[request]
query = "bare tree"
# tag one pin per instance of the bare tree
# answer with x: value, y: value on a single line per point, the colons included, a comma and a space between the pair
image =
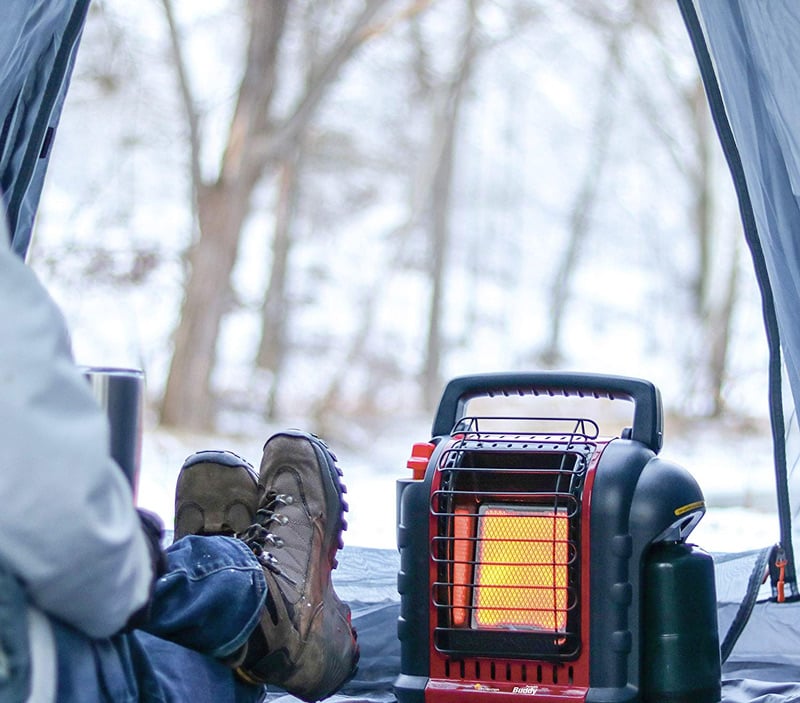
x: 272, y: 347
x: 719, y: 327
x: 277, y: 310
x: 713, y: 282
x: 713, y: 296
x: 579, y: 218
x: 258, y: 139
x: 444, y: 129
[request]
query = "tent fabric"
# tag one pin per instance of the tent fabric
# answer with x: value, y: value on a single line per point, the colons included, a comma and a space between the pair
x: 772, y: 634
x: 38, y: 41
x: 367, y: 580
x: 732, y: 632
x: 753, y: 45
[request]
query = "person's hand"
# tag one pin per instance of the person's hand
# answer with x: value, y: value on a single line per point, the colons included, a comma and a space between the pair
x: 153, y: 530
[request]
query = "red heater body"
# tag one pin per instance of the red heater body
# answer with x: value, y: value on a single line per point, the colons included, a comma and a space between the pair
x: 542, y: 562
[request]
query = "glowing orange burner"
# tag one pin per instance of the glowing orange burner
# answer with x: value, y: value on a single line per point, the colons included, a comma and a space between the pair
x: 521, y: 568
x: 463, y: 546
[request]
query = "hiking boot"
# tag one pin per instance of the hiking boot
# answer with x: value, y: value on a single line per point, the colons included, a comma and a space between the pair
x: 305, y: 642
x: 216, y: 494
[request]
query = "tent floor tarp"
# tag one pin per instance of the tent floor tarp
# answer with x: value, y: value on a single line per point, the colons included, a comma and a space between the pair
x: 763, y: 668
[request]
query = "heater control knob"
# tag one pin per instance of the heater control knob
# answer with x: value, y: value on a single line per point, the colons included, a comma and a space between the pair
x: 420, y: 456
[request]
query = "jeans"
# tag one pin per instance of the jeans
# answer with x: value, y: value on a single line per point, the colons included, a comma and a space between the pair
x: 15, y: 663
x: 203, y: 609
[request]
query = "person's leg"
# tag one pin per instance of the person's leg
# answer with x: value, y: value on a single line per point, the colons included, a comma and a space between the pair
x: 211, y: 597
x: 168, y: 672
x: 15, y: 640
x: 232, y: 599
x: 304, y: 641
x: 140, y: 668
x: 203, y: 610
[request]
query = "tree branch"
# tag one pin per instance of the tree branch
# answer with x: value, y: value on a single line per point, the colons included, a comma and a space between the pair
x: 280, y: 141
x: 187, y: 100
x: 250, y: 118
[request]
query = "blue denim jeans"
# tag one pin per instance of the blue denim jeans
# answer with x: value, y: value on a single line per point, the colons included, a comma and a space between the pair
x: 203, y: 609
x: 15, y: 662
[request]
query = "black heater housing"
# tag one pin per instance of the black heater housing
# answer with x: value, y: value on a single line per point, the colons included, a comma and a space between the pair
x: 630, y: 572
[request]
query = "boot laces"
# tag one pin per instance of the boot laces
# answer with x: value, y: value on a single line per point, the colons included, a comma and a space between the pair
x: 258, y: 536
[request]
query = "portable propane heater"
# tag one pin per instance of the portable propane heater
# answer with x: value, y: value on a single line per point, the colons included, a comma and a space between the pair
x: 542, y: 562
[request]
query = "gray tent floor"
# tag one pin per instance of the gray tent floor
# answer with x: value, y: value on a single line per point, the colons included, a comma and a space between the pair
x: 764, y: 666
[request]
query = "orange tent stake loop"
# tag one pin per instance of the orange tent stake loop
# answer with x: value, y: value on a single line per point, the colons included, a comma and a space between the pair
x: 780, y: 563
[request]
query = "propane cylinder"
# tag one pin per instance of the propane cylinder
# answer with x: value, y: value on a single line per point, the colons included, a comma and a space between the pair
x: 680, y: 637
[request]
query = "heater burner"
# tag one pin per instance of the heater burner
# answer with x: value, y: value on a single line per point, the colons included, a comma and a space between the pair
x: 506, y: 540
x: 521, y: 568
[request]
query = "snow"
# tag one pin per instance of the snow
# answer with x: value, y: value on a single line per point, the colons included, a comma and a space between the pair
x: 732, y: 467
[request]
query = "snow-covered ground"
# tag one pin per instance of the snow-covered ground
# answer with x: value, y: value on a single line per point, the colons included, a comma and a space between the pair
x: 733, y: 468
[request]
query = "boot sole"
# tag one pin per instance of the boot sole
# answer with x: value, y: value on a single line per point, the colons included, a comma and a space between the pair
x: 203, y: 468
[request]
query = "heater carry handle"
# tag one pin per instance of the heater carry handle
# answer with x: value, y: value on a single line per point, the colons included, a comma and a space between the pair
x: 648, y: 422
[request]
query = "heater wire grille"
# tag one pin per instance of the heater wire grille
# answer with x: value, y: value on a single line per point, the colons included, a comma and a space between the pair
x: 506, y: 544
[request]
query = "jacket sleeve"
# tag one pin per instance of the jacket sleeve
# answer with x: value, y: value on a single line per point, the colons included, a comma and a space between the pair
x: 68, y: 526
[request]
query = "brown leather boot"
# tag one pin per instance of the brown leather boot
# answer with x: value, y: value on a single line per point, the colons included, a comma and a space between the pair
x: 216, y: 494
x: 305, y: 642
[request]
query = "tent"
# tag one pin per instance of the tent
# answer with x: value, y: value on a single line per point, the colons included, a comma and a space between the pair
x: 38, y: 44
x: 746, y: 53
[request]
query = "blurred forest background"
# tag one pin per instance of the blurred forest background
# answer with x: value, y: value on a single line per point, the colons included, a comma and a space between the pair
x: 321, y: 210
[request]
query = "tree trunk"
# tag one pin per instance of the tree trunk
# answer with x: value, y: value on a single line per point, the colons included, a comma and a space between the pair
x: 255, y: 140
x: 720, y: 331
x: 188, y: 401
x: 713, y: 309
x: 444, y: 131
x: 275, y: 311
x: 702, y: 187
x: 581, y: 210
x: 440, y: 236
x: 712, y: 312
x: 222, y: 209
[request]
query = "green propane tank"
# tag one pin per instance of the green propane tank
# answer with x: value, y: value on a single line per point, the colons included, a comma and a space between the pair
x: 680, y: 637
